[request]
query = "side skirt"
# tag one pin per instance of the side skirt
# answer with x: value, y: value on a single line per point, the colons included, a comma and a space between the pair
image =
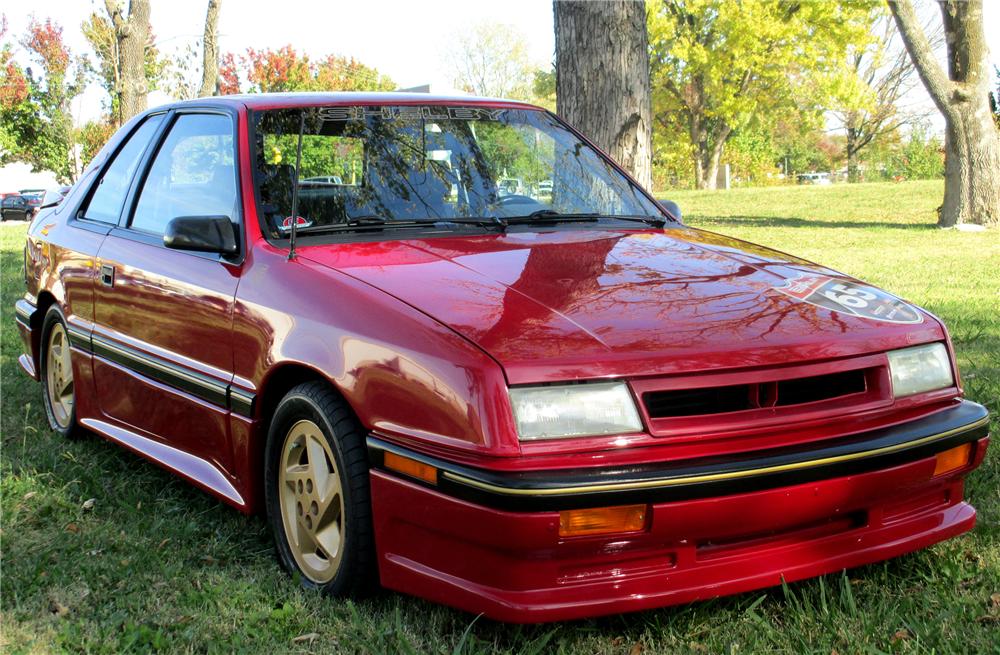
x: 201, y: 473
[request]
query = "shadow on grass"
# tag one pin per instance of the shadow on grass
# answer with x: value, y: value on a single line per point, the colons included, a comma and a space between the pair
x: 791, y: 221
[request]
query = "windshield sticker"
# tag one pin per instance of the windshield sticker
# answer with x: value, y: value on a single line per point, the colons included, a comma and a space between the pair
x: 850, y: 298
x: 410, y: 112
x: 286, y: 224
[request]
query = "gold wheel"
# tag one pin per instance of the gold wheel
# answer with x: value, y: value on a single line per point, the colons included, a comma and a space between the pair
x: 59, y: 376
x: 311, y: 502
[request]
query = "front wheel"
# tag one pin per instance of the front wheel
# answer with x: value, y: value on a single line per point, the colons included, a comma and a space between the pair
x: 317, y: 493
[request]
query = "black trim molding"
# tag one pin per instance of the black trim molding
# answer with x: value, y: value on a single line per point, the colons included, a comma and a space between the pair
x: 201, y: 386
x: 707, y: 477
x: 79, y: 338
x: 241, y: 402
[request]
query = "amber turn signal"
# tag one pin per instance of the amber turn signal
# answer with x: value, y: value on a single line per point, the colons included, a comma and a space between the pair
x: 952, y: 459
x: 602, y: 520
x: 410, y: 467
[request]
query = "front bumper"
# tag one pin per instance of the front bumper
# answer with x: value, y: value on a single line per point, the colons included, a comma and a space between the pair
x: 480, y: 548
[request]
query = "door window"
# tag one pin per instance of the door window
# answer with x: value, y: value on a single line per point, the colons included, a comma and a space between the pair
x: 106, y: 203
x: 194, y: 174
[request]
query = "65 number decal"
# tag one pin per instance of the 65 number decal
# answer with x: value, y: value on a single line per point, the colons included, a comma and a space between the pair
x: 850, y: 298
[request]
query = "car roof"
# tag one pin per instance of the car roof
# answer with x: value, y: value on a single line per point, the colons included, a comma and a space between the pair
x: 283, y: 100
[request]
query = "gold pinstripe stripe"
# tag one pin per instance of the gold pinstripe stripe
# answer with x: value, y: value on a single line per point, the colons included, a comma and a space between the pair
x: 711, y: 477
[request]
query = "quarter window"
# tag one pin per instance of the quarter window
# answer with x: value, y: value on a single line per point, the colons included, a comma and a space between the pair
x: 106, y: 203
x: 193, y: 174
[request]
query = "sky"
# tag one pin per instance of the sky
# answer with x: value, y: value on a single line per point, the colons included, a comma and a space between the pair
x: 406, y: 40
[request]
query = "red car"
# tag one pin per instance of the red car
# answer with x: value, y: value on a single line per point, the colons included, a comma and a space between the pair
x: 537, y: 409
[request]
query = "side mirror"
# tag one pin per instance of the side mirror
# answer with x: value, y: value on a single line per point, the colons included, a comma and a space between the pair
x: 672, y: 208
x: 202, y: 234
x: 50, y: 199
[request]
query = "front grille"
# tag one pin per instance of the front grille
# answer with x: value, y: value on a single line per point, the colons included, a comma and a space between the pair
x: 675, y: 403
x: 819, y: 387
x: 694, y: 402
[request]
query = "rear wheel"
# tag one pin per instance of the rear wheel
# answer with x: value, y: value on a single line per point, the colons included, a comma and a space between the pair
x: 317, y: 495
x: 57, y: 374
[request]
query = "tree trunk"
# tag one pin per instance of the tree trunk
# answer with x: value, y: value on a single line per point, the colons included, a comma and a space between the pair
x: 971, y: 172
x: 132, y: 35
x: 602, y: 78
x: 707, y: 153
x: 210, y: 50
x: 853, y: 173
x: 972, y: 165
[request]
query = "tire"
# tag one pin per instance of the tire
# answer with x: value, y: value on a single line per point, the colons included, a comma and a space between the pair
x: 55, y: 369
x: 315, y: 451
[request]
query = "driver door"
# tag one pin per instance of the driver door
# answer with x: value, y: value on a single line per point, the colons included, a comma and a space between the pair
x: 163, y: 317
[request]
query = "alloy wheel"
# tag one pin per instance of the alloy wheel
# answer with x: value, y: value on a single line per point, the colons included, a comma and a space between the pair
x: 311, y: 501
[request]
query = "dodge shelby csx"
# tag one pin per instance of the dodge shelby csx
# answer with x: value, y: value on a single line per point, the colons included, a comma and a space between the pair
x: 449, y: 347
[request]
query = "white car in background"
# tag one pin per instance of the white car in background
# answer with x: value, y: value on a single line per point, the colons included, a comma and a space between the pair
x: 814, y: 178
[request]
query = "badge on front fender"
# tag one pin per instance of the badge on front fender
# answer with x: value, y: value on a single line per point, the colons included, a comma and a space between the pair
x: 849, y: 297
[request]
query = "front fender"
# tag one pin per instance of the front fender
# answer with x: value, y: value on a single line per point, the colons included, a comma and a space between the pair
x: 405, y: 375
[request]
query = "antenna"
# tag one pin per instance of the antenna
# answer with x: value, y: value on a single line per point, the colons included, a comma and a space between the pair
x: 295, y: 185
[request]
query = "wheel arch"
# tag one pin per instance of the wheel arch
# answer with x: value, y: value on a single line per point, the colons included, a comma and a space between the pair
x: 43, y: 302
x: 276, y: 383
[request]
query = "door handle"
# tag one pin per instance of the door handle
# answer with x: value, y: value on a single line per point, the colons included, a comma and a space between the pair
x: 107, y: 275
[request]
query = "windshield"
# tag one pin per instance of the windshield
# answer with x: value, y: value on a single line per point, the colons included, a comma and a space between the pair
x: 430, y: 165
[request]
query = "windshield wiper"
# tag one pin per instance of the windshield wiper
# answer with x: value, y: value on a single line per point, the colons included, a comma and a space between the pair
x: 552, y: 216
x: 655, y: 221
x: 376, y: 222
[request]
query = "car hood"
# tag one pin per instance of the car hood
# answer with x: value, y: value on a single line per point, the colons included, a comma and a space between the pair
x: 575, y: 304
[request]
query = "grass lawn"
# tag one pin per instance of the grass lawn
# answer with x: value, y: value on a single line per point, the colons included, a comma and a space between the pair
x: 155, y: 564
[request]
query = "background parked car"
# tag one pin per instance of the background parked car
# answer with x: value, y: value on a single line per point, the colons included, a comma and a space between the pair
x: 814, y: 178
x: 324, y: 179
x: 15, y: 207
x: 511, y: 186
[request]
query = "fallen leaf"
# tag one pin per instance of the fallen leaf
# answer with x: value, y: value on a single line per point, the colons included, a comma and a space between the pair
x: 636, y: 649
x: 307, y: 638
x: 834, y: 652
x: 995, y: 600
x: 617, y: 641
x: 89, y: 504
x: 58, y: 609
x: 73, y: 527
x: 29, y: 495
x: 902, y: 635
x: 989, y: 618
x: 163, y: 543
x: 700, y: 648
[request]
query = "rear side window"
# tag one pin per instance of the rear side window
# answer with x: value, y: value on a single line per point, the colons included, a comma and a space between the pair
x: 193, y: 174
x: 106, y: 202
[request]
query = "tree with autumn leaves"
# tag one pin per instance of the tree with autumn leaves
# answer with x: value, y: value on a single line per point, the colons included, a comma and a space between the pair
x: 285, y: 69
x: 36, y: 124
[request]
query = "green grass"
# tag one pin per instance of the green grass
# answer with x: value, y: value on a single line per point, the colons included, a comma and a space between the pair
x: 157, y: 564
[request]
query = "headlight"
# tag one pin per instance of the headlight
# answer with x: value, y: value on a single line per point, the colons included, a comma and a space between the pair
x: 574, y: 410
x: 919, y: 369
